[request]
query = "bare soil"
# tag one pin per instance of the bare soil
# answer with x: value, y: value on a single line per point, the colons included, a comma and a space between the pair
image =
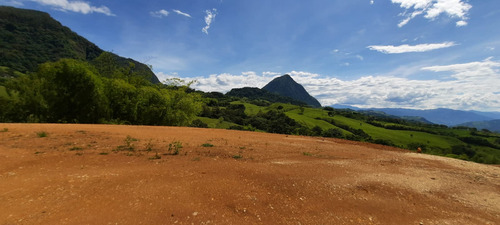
x: 94, y: 174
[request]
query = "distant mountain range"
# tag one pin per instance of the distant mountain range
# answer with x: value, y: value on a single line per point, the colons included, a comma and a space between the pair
x: 449, y: 117
x: 286, y: 86
x: 29, y: 38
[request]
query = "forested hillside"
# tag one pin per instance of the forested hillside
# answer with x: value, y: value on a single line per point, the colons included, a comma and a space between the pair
x: 242, y: 114
x: 29, y: 38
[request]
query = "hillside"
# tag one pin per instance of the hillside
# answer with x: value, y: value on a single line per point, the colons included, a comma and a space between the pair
x: 286, y: 86
x: 460, y: 142
x: 29, y: 38
x: 492, y: 125
x: 109, y: 174
x: 447, y: 117
x: 258, y: 94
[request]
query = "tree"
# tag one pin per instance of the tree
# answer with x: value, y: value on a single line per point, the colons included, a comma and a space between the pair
x: 73, y: 92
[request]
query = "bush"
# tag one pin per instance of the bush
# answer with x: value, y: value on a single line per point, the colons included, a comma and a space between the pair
x: 332, y: 132
x: 198, y: 123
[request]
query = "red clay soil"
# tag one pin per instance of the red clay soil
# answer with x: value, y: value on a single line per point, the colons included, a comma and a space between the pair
x: 94, y: 174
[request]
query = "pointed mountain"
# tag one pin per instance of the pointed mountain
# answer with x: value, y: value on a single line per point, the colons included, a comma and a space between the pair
x: 29, y: 38
x: 286, y: 86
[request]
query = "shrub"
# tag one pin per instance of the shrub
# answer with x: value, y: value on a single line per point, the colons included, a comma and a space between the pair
x: 42, y: 134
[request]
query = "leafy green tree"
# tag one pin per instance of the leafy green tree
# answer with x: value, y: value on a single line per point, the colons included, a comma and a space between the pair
x: 73, y: 92
x: 332, y: 132
x: 122, y: 98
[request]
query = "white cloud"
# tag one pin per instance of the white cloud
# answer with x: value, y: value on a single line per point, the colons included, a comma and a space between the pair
x: 473, y: 86
x: 372, y: 2
x: 75, y: 6
x: 391, y: 49
x: 461, y: 23
x: 209, y: 18
x: 160, y: 13
x: 181, y: 13
x: 434, y: 8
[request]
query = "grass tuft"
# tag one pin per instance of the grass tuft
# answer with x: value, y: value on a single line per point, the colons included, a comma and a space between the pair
x: 42, y: 134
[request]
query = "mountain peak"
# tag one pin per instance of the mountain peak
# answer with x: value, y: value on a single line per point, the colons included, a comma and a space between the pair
x: 286, y: 86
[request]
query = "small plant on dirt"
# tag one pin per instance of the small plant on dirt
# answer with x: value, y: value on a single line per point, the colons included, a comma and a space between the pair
x: 174, y: 147
x: 207, y: 145
x: 149, y: 146
x: 237, y: 156
x: 42, y: 134
x: 129, y: 146
x: 156, y: 156
x: 36, y: 153
x: 103, y: 153
x: 5, y: 130
x: 307, y: 153
x: 76, y: 148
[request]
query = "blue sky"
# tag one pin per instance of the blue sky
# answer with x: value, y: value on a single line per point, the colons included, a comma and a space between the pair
x: 417, y: 54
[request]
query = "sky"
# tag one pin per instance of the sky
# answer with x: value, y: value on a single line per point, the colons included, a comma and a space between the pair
x: 418, y: 54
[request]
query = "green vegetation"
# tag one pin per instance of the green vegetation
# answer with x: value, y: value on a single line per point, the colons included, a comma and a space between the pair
x: 29, y: 38
x: 207, y: 145
x: 72, y: 91
x: 76, y: 148
x: 4, y: 130
x: 174, y: 148
x: 237, y: 156
x: 42, y: 134
x: 462, y: 143
x: 129, y: 144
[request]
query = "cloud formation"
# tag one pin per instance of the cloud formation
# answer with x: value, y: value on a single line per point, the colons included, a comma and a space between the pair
x: 159, y: 14
x: 433, y: 8
x: 209, y: 18
x: 468, y: 86
x: 181, y: 13
x: 75, y: 6
x: 391, y: 49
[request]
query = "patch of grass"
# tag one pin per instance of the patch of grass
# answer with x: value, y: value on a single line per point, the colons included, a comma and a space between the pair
x: 307, y: 154
x: 76, y: 148
x: 103, y: 153
x: 242, y: 147
x: 207, y: 145
x: 237, y: 156
x: 174, y: 147
x: 4, y: 130
x: 42, y: 134
x: 36, y: 153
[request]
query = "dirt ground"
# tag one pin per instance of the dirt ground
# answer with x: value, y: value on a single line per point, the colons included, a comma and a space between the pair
x: 110, y: 174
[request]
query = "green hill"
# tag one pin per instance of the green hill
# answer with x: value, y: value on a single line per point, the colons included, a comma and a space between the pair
x: 463, y: 143
x: 492, y: 125
x: 29, y: 38
x: 286, y: 86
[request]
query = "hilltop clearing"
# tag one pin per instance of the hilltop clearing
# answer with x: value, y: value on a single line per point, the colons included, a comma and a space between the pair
x: 110, y: 174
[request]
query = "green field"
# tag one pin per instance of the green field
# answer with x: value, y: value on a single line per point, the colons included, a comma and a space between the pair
x: 434, y: 139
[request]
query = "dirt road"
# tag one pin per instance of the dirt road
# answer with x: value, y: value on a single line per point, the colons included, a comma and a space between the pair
x: 108, y: 174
